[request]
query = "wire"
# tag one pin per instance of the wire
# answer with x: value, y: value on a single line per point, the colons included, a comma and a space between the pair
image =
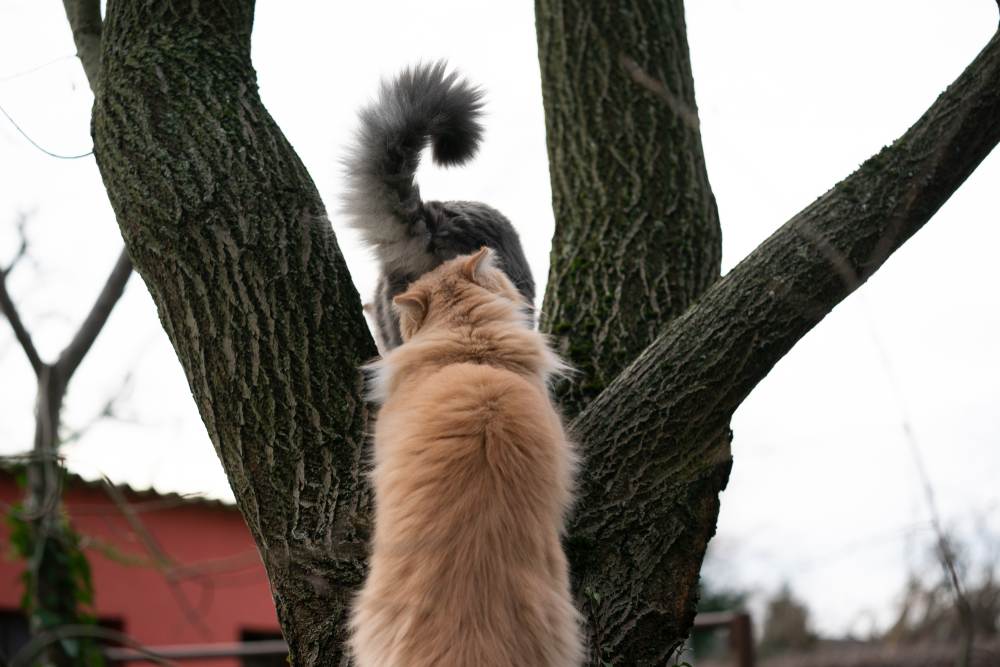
x: 33, y: 143
x: 32, y: 70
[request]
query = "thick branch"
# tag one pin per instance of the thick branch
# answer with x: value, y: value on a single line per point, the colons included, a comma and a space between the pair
x: 227, y: 230
x: 85, y: 21
x: 637, y: 232
x: 657, y: 439
x: 96, y: 318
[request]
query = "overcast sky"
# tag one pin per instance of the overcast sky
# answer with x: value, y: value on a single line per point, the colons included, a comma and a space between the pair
x: 793, y: 96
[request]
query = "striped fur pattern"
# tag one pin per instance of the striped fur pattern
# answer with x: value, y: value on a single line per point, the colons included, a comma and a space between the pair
x: 422, y: 105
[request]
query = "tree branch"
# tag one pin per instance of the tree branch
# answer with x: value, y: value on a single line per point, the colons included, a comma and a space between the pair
x: 657, y: 439
x: 85, y: 20
x: 160, y: 558
x: 20, y: 333
x: 71, y: 357
x: 10, y: 311
x: 637, y: 234
x: 223, y: 221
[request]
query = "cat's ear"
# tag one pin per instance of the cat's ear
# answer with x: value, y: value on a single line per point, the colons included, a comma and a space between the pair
x: 412, y: 308
x: 476, y: 263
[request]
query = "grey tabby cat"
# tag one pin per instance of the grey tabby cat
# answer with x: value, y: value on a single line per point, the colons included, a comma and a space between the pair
x: 422, y: 105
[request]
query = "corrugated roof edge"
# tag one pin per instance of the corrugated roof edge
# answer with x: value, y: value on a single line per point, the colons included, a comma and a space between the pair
x: 11, y: 470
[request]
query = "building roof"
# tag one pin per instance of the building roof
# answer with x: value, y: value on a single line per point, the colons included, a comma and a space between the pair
x: 149, y: 498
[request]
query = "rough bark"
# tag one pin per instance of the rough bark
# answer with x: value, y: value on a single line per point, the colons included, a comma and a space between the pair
x: 637, y: 231
x: 657, y: 439
x: 227, y: 230
x: 229, y: 234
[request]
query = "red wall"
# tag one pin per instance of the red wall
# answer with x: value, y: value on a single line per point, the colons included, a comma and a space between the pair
x: 219, y: 572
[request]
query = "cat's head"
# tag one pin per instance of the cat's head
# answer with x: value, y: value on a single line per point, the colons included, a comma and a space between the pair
x: 466, y: 287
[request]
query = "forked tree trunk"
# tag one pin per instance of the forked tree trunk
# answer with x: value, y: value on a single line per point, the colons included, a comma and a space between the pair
x: 228, y: 232
x: 657, y: 439
x: 637, y: 241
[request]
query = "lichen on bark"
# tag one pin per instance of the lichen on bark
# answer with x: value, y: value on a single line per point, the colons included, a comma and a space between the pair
x: 637, y: 231
x: 228, y: 232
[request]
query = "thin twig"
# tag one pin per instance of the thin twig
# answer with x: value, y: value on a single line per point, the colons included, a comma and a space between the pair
x: 163, y: 561
x: 20, y: 332
x: 946, y: 556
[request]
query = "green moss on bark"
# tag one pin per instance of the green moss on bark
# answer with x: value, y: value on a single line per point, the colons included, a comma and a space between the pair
x: 227, y: 230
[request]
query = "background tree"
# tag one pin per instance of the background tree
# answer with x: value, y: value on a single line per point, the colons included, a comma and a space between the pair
x: 786, y: 624
x: 229, y: 234
x: 57, y: 575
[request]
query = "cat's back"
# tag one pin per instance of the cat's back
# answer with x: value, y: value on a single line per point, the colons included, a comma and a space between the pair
x: 475, y: 434
x: 472, y: 479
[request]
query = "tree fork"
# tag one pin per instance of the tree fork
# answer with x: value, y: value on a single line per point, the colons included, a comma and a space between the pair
x: 656, y: 441
x: 229, y: 234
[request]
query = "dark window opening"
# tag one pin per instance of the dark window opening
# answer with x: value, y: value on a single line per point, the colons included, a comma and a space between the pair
x: 269, y: 659
x: 15, y: 633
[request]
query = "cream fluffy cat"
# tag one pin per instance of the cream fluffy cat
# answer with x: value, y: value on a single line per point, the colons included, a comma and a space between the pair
x: 473, y: 478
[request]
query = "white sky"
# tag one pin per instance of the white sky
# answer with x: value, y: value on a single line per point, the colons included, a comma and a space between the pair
x: 793, y: 96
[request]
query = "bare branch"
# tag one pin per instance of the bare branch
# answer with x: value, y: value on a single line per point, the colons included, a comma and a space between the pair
x: 85, y: 20
x: 160, y: 557
x: 946, y: 553
x: 22, y: 248
x: 71, y: 357
x: 657, y: 438
x: 10, y: 312
x: 785, y: 287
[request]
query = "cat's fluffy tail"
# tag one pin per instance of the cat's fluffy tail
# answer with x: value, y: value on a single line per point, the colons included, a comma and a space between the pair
x: 422, y: 105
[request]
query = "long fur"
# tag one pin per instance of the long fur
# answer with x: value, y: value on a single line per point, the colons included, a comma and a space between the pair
x: 473, y: 478
x: 423, y: 105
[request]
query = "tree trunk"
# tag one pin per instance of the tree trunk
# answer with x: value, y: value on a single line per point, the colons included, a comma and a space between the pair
x: 637, y: 241
x: 637, y: 231
x: 227, y: 230
x: 657, y: 439
x: 51, y: 586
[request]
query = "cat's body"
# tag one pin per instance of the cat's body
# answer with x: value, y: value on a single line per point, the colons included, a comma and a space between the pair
x: 408, y: 235
x: 473, y: 479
